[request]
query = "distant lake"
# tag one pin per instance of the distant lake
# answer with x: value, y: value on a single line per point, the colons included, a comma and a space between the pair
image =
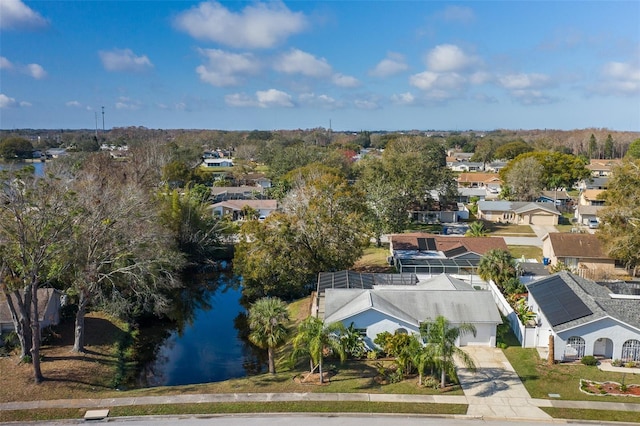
x: 16, y: 165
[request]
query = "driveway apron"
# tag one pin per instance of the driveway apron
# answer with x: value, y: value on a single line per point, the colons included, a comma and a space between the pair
x: 495, y: 390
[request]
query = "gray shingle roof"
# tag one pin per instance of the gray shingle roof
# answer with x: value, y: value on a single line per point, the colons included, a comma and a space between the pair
x: 597, y: 299
x: 413, y: 304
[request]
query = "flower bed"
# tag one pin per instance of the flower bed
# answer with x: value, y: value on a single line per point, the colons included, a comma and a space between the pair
x: 608, y: 388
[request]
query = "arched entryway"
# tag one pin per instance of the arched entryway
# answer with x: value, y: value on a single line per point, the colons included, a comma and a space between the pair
x: 603, y: 347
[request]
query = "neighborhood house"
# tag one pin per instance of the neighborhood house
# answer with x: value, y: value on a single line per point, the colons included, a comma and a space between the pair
x: 580, y: 317
x: 519, y: 213
x: 399, y: 303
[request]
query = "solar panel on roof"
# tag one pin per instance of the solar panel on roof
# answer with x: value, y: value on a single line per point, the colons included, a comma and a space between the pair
x: 456, y: 251
x: 559, y: 302
x: 431, y: 244
x: 422, y: 244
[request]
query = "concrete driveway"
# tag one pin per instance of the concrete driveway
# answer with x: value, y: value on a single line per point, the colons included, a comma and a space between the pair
x: 495, y: 390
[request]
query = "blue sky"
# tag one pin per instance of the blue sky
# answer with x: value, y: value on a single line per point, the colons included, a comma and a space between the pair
x: 359, y: 65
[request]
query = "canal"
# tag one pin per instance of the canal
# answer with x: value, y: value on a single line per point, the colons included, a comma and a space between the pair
x: 208, y: 343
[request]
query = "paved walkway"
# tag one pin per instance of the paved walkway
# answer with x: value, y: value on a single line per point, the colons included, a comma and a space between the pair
x: 495, y: 390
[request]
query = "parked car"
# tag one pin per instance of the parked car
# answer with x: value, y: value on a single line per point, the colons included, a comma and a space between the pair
x: 593, y: 224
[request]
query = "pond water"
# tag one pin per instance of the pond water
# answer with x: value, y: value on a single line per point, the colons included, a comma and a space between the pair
x: 38, y: 166
x: 211, y: 346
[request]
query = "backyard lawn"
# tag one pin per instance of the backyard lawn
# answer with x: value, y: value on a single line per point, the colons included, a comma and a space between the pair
x: 509, y: 230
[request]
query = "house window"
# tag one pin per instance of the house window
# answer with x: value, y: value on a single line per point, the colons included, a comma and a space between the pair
x: 631, y: 350
x: 571, y: 262
x: 575, y: 347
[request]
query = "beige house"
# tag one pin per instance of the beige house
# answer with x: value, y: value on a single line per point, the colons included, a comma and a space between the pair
x: 479, y: 180
x: 583, y: 253
x: 591, y: 197
x: 519, y: 213
x: 602, y: 168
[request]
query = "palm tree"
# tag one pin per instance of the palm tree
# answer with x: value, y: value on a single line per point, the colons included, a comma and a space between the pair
x: 441, y: 339
x: 315, y: 339
x: 268, y: 318
x: 497, y: 265
x: 476, y: 229
x: 421, y: 357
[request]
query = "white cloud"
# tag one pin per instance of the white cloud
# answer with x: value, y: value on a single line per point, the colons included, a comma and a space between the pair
x: 298, y: 62
x: 368, y: 104
x: 5, y: 63
x: 74, y: 104
x: 128, y: 104
x: 523, y: 81
x: 273, y: 97
x: 262, y: 99
x: 181, y: 106
x: 259, y: 25
x: 342, y: 80
x: 15, y: 15
x: 531, y: 97
x: 620, y: 78
x: 394, y: 63
x: 6, y: 101
x: 225, y: 68
x: 240, y: 100
x: 457, y: 14
x: 25, y: 104
x: 480, y: 77
x: 449, y: 57
x: 406, y: 98
x: 323, y: 101
x: 33, y: 70
x: 36, y: 71
x: 124, y: 60
x: 424, y: 80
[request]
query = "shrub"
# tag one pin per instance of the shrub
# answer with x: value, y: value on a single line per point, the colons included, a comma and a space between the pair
x: 616, y: 363
x: 589, y: 360
x: 372, y: 355
x: 630, y: 364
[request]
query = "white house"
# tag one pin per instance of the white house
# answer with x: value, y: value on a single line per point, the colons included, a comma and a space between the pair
x: 373, y: 307
x: 585, y: 318
x: 217, y: 162
x: 234, y: 207
x: 48, y: 309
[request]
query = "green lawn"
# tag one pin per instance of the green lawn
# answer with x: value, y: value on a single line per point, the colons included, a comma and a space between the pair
x: 507, y: 229
x: 593, y: 415
x: 529, y: 252
x: 234, y: 408
x: 541, y: 379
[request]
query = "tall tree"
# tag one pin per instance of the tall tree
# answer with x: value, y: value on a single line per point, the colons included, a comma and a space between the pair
x: 620, y: 219
x: 441, y: 337
x: 15, y: 148
x: 609, y: 147
x: 511, y: 150
x: 121, y: 258
x: 497, y: 265
x: 476, y: 229
x: 36, y: 223
x: 315, y: 339
x: 268, y: 319
x: 525, y: 179
x: 634, y: 150
x: 558, y: 170
x: 319, y: 229
x: 593, y: 146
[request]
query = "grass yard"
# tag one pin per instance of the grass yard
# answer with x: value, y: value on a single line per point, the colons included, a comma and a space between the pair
x: 529, y: 252
x: 374, y: 259
x: 510, y: 230
x: 233, y: 408
x: 593, y: 415
x: 541, y: 379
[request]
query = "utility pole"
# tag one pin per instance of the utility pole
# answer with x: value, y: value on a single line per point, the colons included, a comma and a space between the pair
x: 102, y: 119
x: 96, y: 117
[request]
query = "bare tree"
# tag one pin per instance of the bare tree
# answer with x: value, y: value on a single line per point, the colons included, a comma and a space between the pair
x: 121, y: 256
x: 36, y: 223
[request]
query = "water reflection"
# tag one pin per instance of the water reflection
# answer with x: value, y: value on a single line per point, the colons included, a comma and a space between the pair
x: 17, y: 165
x: 205, y: 340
